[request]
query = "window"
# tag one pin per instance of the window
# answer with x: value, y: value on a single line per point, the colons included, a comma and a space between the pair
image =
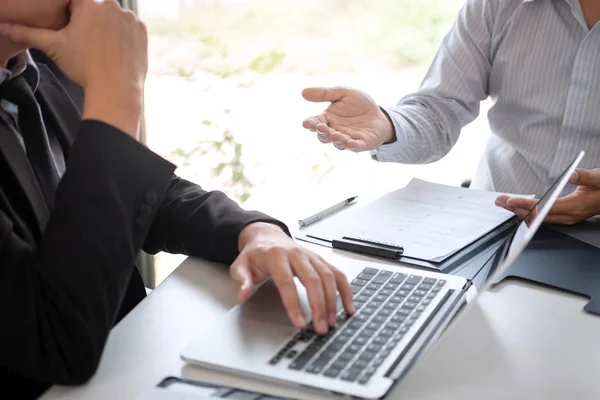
x: 223, y: 95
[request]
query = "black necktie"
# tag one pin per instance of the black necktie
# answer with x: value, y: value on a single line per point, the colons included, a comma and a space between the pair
x: 35, y: 137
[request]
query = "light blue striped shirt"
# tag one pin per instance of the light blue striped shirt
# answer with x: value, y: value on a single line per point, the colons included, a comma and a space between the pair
x: 539, y: 63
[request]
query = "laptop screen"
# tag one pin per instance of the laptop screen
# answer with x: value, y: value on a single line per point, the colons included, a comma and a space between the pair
x: 526, y: 227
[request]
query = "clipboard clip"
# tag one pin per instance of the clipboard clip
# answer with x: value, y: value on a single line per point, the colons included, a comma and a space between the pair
x: 367, y: 247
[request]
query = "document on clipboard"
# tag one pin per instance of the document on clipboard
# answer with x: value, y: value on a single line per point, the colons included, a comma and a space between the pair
x: 429, y: 221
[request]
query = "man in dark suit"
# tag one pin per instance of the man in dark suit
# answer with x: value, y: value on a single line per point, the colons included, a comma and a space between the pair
x: 80, y: 197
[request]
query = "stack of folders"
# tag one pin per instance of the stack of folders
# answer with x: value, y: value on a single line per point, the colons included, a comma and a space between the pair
x: 425, y: 224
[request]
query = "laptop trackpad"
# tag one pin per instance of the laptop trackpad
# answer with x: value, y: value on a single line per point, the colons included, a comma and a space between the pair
x: 266, y: 305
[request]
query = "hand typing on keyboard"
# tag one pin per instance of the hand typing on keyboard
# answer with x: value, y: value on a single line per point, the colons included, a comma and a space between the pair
x: 266, y: 251
x: 388, y: 305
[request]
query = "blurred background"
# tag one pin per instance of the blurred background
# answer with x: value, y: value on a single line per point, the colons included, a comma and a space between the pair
x: 223, y: 95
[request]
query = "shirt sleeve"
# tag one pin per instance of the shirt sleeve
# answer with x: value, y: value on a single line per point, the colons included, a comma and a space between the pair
x: 428, y: 122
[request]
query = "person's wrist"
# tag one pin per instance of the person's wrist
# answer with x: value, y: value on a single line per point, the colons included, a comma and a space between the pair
x: 117, y: 105
x: 256, y: 231
x: 388, y: 132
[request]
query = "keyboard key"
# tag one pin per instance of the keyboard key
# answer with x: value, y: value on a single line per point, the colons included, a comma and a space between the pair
x: 403, y: 311
x: 365, y: 379
x: 359, y: 282
x: 368, y: 292
x: 421, y: 308
x: 346, y: 356
x: 291, y: 354
x: 317, y: 365
x: 413, y: 279
x: 392, y: 325
x: 436, y: 289
x: 415, y: 299
x: 378, y: 361
x: 360, y: 316
x: 367, y: 332
x: 374, y: 286
x: 355, y: 288
x: 353, y: 348
x: 362, y: 298
x: 303, y: 359
x: 402, y: 293
x: 431, y: 295
x: 386, y: 292
x: 365, y: 277
x: 374, y: 325
x: 385, y: 312
x: 415, y: 315
x: 360, y: 341
x: 368, y: 311
x: 358, y: 304
x: 374, y: 347
x: 381, y: 278
x: 441, y: 283
x: 374, y: 304
x: 430, y: 281
x: 367, y: 355
x: 426, y: 302
x: 348, y: 332
x: 386, y: 273
x: 339, y: 364
x: 381, y: 340
x: 425, y: 287
x: 404, y: 329
x: 379, y: 318
x: 398, y: 278
x: 380, y: 297
x: 332, y: 372
x: 408, y: 287
x: 398, y: 318
x: 370, y: 271
x: 334, y: 348
x: 386, y: 333
x: 356, y: 323
x: 420, y: 293
x: 398, y: 299
x: 391, y: 286
x: 392, y: 305
x: 360, y: 364
x: 409, y: 305
x: 351, y: 375
x: 342, y: 339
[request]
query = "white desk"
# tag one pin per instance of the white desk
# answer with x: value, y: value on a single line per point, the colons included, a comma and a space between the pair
x: 518, y: 342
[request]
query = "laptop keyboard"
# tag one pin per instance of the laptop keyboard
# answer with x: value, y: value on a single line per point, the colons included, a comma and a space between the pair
x: 387, y: 305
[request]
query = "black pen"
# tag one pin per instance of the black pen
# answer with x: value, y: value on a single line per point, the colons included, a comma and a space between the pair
x: 368, y: 249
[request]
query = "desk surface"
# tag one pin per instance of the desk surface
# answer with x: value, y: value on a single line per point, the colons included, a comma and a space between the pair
x: 517, y: 341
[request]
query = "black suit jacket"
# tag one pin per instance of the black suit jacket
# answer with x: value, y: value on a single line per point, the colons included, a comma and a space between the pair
x: 67, y: 274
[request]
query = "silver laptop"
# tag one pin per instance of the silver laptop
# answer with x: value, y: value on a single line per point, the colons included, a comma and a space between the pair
x: 401, y: 311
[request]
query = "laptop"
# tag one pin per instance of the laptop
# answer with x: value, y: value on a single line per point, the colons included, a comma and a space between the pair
x: 400, y: 313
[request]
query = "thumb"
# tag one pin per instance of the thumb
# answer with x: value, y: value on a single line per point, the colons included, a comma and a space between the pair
x: 321, y: 94
x: 43, y: 39
x: 242, y: 276
x: 586, y: 177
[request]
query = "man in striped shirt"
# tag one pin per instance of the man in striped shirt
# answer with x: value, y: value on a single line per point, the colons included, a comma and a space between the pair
x: 538, y: 60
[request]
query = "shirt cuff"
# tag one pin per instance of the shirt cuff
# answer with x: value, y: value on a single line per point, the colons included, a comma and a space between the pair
x: 389, y: 152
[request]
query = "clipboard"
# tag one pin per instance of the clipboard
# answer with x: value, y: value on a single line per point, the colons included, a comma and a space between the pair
x: 455, y: 261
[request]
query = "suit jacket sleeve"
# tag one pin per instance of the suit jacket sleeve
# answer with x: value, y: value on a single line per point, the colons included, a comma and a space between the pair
x: 59, y: 299
x: 195, y: 222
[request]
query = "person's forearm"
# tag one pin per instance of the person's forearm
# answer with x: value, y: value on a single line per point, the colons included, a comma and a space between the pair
x: 60, y: 298
x: 199, y: 223
x: 120, y: 107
